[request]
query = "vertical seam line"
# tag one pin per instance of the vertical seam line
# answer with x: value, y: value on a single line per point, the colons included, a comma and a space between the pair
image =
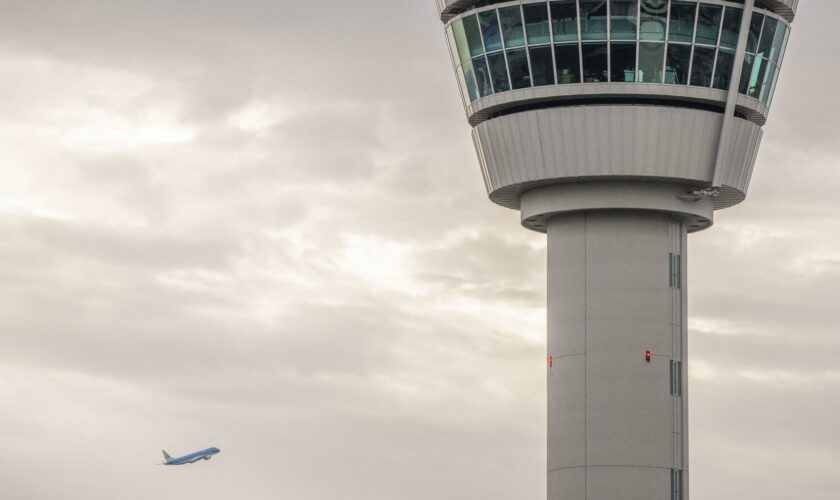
x: 586, y: 355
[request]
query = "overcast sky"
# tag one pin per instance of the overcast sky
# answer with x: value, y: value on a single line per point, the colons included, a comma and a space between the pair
x: 260, y: 225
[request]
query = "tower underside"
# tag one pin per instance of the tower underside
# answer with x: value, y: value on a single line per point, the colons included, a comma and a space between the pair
x: 616, y: 422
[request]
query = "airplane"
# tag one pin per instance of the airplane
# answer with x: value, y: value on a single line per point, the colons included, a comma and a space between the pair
x: 191, y: 458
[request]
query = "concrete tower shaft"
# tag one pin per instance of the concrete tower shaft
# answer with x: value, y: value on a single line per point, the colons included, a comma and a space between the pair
x: 617, y: 127
x: 616, y: 422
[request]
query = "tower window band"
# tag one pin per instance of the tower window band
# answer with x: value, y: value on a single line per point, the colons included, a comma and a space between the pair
x: 658, y: 43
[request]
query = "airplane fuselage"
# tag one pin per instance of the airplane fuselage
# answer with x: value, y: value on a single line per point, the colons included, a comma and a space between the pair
x: 192, y: 457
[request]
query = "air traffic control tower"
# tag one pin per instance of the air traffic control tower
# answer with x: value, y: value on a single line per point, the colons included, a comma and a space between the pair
x: 617, y: 127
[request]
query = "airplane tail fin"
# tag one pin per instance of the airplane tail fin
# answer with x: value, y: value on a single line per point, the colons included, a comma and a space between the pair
x: 166, y: 456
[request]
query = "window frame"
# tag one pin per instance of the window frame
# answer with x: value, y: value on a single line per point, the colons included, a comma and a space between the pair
x: 775, y: 56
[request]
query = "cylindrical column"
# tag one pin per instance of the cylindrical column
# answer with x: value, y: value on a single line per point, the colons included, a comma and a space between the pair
x: 616, y: 421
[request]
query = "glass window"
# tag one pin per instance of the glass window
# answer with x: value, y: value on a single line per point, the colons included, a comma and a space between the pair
x: 489, y: 23
x: 702, y: 67
x: 755, y: 32
x: 755, y: 77
x: 676, y: 64
x: 708, y: 24
x: 482, y: 77
x: 731, y: 27
x: 463, y: 84
x: 498, y: 72
x: 682, y: 21
x: 767, y: 36
x: 568, y: 63
x: 723, y: 69
x: 542, y: 66
x: 778, y: 43
x: 564, y: 20
x: 461, y: 41
x: 746, y: 74
x: 623, y: 19
x: 623, y: 62
x: 473, y: 36
x: 536, y: 22
x: 652, y: 20
x: 520, y: 77
x: 594, y: 62
x: 453, y: 47
x: 511, y: 20
x: 469, y: 79
x: 593, y: 19
x: 651, y: 60
x: 767, y: 83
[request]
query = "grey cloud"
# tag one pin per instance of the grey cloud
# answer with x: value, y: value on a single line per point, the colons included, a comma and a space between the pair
x: 182, y: 293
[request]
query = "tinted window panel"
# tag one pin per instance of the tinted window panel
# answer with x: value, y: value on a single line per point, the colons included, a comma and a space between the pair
x: 682, y: 21
x: 653, y: 19
x: 676, y: 64
x: 623, y: 62
x: 568, y: 63
x: 594, y: 62
x: 651, y: 61
x: 520, y: 77
x: 593, y: 19
x: 702, y: 67
x: 778, y: 42
x: 489, y: 23
x: 731, y: 27
x: 498, y: 72
x: 511, y: 21
x: 766, y: 85
x: 463, y: 83
x: 723, y: 69
x: 473, y: 36
x: 542, y: 66
x: 453, y: 47
x: 623, y: 19
x: 469, y: 78
x: 536, y: 22
x: 767, y: 37
x: 482, y: 77
x: 746, y: 74
x: 708, y: 24
x: 461, y: 41
x: 564, y: 20
x: 757, y: 77
x: 755, y: 32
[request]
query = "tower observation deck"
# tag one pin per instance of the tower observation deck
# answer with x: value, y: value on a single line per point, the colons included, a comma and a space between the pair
x: 617, y: 127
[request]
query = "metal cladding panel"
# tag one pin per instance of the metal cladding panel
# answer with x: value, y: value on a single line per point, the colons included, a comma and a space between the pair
x: 738, y: 162
x: 566, y: 144
x: 567, y: 484
x: 785, y: 8
x: 567, y: 345
x: 629, y: 409
x: 627, y: 483
x: 567, y: 415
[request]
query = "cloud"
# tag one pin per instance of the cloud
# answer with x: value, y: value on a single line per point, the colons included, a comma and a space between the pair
x: 261, y: 226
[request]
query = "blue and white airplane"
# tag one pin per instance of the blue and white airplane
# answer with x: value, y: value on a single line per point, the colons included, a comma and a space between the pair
x: 191, y: 458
